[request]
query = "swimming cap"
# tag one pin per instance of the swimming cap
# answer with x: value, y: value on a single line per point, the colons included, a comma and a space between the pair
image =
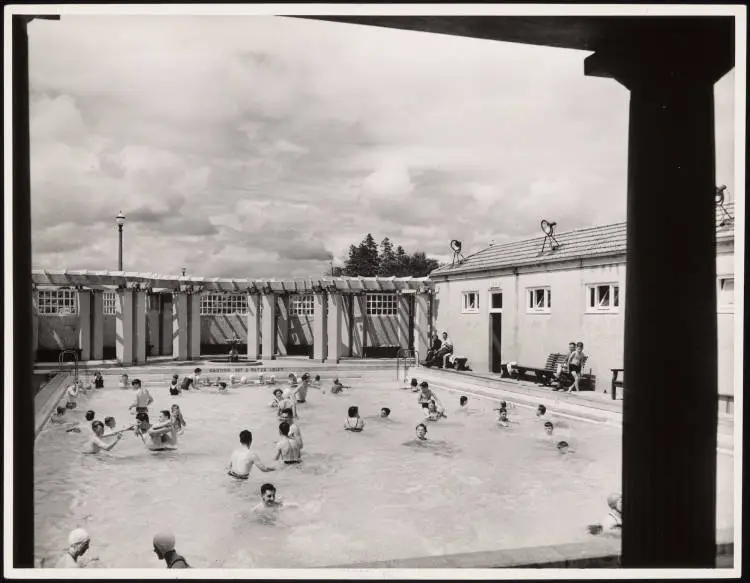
x: 164, y: 541
x: 613, y: 499
x: 78, y: 536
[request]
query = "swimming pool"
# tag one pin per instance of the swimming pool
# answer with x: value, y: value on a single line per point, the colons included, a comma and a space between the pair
x: 362, y: 497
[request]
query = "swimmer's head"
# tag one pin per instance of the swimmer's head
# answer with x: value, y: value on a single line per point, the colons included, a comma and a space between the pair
x: 78, y: 542
x: 60, y: 410
x: 562, y: 447
x: 109, y: 422
x: 136, y: 383
x: 502, y: 415
x: 175, y: 408
x: 503, y: 405
x: 432, y: 407
x: 614, y: 501
x: 384, y: 412
x: 414, y: 382
x: 197, y: 371
x: 222, y: 385
x: 90, y: 415
x: 97, y: 427
x: 463, y: 400
x: 579, y: 345
x: 549, y: 428
x: 175, y: 377
x: 317, y: 378
x: 336, y: 381
x: 287, y: 414
x: 306, y: 376
x: 541, y: 410
x: 163, y: 543
x: 284, y: 428
x: 353, y: 411
x: 421, y: 430
x: 164, y: 415
x: 246, y: 437
x: 277, y: 393
x: 292, y: 377
x: 424, y: 385
x: 268, y: 494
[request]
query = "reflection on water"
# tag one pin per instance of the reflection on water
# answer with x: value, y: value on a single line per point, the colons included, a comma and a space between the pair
x: 360, y: 497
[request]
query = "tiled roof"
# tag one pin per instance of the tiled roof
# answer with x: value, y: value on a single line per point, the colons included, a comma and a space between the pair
x: 603, y: 241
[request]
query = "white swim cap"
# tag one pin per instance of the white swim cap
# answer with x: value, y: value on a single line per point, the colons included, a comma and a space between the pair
x: 164, y: 541
x: 613, y: 499
x: 78, y: 536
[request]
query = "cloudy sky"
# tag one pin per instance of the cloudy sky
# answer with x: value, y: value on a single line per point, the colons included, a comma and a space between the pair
x: 260, y: 146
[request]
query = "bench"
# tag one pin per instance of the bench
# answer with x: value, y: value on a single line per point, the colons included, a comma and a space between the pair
x: 617, y: 383
x: 544, y: 375
x: 458, y: 362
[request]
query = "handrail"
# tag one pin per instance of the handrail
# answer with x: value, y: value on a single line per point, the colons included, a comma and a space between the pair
x: 407, y: 355
x: 61, y: 361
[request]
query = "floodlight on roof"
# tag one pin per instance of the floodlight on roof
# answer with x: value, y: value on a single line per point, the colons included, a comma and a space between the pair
x: 548, y: 228
x: 456, y: 247
x: 719, y: 199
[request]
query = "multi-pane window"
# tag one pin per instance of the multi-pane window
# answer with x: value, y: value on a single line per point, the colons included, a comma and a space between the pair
x: 470, y: 302
x: 223, y: 304
x: 57, y: 302
x: 382, y: 304
x: 302, y: 305
x: 603, y: 298
x: 726, y: 293
x: 539, y: 300
x: 108, y: 299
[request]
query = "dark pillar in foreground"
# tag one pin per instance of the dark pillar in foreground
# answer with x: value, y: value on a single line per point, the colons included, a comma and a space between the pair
x: 23, y: 396
x: 671, y: 402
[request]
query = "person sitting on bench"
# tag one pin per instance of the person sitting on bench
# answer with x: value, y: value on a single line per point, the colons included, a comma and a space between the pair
x: 434, y: 347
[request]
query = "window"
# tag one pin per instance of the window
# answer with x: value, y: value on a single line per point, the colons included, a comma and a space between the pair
x: 223, y: 304
x: 470, y: 302
x: 382, y: 304
x: 109, y: 303
x: 303, y: 305
x: 726, y: 294
x: 57, y: 302
x: 539, y: 300
x: 496, y: 301
x: 603, y: 298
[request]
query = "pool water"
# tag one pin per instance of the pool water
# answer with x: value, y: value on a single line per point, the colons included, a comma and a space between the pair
x: 361, y: 496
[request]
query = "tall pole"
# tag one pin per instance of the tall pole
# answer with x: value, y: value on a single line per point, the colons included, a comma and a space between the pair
x: 119, y: 255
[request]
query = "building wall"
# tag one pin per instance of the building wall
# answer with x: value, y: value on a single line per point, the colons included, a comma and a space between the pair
x: 300, y: 331
x: 725, y: 331
x: 218, y: 329
x: 58, y: 332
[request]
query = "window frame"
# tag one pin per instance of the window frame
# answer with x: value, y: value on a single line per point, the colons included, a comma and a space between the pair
x: 381, y: 304
x: 614, y: 296
x: 302, y: 305
x: 109, y: 303
x: 466, y: 308
x: 546, y: 308
x: 490, y: 308
x: 57, y: 302
x: 721, y: 307
x: 223, y: 304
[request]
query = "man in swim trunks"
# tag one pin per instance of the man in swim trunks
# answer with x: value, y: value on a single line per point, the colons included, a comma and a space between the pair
x: 78, y: 543
x: 164, y: 548
x: 142, y: 397
x: 426, y: 396
x: 287, y: 450
x: 95, y: 444
x: 243, y: 460
x: 304, y: 385
x: 160, y: 437
x: 294, y: 431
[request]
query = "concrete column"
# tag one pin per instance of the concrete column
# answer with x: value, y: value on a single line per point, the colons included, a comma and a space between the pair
x: 139, y: 326
x: 669, y: 452
x: 268, y: 316
x: 320, y: 327
x: 402, y: 320
x: 333, y: 332
x: 282, y: 324
x: 34, y: 324
x: 153, y: 317
x: 253, y: 326
x: 84, y: 324
x: 194, y: 326
x: 97, y: 326
x: 124, y: 307
x: 422, y: 324
x: 179, y: 325
x: 359, y: 333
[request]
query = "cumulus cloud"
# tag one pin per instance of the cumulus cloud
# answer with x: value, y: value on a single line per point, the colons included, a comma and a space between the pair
x: 260, y: 146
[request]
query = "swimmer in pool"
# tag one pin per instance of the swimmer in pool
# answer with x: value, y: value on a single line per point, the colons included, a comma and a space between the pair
x: 294, y: 431
x: 541, y: 413
x: 338, y: 387
x: 222, y: 387
x: 463, y: 402
x: 354, y: 422
x: 292, y: 379
x: 502, y: 417
x: 278, y: 397
x: 612, y: 523
x: 243, y: 460
x: 426, y: 396
x: 413, y: 385
x: 301, y: 393
x: 142, y: 397
x: 160, y: 437
x: 78, y: 543
x: 98, y: 380
x: 434, y: 412
x: 282, y: 402
x: 421, y: 430
x: 287, y: 450
x: 385, y: 413
x: 174, y: 386
x: 95, y: 443
x: 268, y: 498
x: 316, y: 381
x: 177, y: 419
x: 58, y: 418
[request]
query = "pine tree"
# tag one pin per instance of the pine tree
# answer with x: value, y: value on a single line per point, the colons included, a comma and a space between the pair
x: 387, y: 259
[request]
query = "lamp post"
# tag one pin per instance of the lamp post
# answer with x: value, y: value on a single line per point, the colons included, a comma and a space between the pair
x: 120, y: 218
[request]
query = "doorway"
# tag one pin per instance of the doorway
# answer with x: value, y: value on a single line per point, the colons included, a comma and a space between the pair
x: 496, y: 330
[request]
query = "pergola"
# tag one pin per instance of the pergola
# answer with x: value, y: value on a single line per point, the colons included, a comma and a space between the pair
x: 670, y: 65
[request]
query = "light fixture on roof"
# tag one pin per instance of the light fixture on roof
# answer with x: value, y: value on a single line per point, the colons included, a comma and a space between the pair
x: 456, y: 247
x: 548, y: 228
x: 184, y: 271
x: 719, y: 199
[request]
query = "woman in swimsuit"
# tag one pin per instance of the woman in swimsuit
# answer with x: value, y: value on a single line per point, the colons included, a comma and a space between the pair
x: 177, y: 419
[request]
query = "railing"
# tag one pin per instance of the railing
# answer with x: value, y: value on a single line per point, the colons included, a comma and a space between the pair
x: 409, y: 357
x: 61, y: 361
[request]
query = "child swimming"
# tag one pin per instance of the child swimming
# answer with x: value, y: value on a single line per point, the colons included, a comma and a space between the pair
x: 434, y: 412
x: 354, y: 422
x: 338, y: 387
x: 385, y: 413
x: 177, y: 419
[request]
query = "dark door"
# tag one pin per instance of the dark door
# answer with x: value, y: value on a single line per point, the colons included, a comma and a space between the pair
x: 496, y: 325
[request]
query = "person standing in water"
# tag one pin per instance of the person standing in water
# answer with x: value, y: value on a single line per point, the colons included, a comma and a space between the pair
x: 95, y: 443
x: 78, y: 543
x: 142, y: 397
x: 242, y: 459
x: 164, y: 543
x: 287, y: 450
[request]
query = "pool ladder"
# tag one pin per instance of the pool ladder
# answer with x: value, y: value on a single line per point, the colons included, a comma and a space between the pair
x: 409, y: 357
x: 61, y: 361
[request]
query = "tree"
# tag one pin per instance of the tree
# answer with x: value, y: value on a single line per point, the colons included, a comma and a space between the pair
x: 387, y: 258
x: 420, y: 265
x: 364, y: 260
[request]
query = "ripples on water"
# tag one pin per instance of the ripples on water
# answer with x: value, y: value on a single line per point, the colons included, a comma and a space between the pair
x: 361, y: 497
